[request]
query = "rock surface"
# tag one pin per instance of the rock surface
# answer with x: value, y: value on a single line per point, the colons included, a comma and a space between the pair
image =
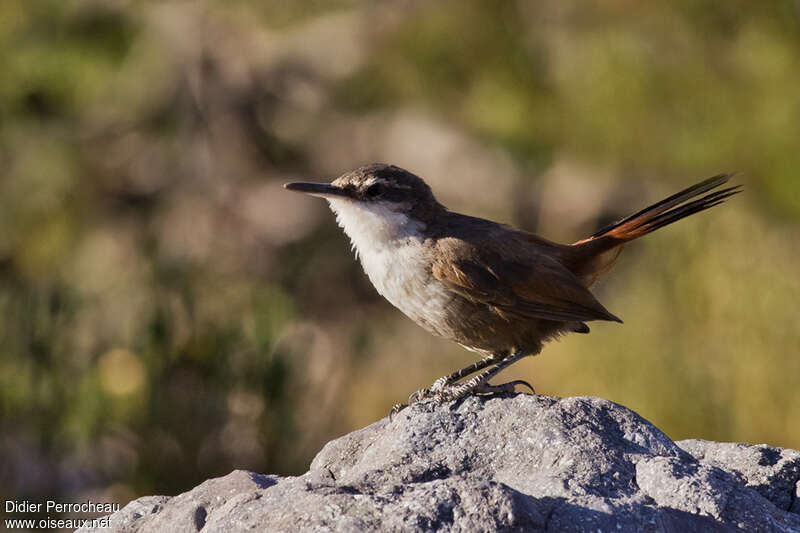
x: 511, y: 463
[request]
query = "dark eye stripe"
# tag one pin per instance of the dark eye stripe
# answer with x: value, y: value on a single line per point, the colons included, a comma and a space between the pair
x: 374, y: 190
x: 387, y: 192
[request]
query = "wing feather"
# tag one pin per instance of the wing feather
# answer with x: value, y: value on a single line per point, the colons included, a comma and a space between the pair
x: 538, y: 288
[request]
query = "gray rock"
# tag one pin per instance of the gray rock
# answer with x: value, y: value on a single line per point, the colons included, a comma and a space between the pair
x: 511, y: 463
x: 772, y: 472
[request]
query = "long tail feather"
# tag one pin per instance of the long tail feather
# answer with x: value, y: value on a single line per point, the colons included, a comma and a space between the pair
x: 592, y: 256
x: 662, y: 213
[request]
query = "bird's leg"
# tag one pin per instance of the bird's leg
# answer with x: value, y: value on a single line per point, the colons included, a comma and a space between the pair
x: 480, y: 383
x: 466, y: 371
x: 444, y: 381
x: 449, y: 379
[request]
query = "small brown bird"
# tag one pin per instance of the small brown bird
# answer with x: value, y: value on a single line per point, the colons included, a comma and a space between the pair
x: 494, y: 289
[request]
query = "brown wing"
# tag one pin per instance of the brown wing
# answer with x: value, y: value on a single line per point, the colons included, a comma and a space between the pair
x: 536, y: 287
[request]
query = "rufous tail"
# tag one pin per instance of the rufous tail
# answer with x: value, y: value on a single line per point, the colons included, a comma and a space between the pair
x: 592, y: 256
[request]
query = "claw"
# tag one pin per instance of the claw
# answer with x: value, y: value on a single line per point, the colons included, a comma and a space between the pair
x: 508, y: 388
x: 520, y: 382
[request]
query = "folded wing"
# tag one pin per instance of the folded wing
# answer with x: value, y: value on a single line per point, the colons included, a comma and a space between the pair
x: 536, y: 288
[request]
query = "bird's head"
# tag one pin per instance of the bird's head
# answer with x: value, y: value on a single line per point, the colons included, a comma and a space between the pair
x: 377, y: 200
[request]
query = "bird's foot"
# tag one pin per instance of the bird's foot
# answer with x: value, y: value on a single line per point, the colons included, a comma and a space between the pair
x: 444, y: 390
x: 477, y: 386
x: 421, y: 394
x: 418, y: 396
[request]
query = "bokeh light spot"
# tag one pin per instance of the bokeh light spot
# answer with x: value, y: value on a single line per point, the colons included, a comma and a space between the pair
x: 121, y: 372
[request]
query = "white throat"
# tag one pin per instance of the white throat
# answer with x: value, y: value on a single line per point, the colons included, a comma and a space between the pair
x: 374, y: 227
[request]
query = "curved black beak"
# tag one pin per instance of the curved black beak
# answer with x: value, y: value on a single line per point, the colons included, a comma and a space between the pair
x: 323, y: 190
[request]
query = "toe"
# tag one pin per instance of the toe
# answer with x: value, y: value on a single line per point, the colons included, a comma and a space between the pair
x: 452, y: 392
x: 439, y: 383
x: 421, y: 394
x: 396, y: 408
x: 510, y: 387
x: 521, y: 382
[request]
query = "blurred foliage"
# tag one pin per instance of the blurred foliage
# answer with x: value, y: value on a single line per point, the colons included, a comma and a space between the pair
x: 169, y: 313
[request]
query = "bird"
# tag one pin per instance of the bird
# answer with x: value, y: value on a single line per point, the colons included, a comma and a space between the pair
x: 496, y: 290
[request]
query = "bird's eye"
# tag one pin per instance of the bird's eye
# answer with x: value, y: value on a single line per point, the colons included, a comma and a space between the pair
x: 374, y: 190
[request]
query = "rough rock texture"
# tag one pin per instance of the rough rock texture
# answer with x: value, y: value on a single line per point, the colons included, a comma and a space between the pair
x: 512, y: 463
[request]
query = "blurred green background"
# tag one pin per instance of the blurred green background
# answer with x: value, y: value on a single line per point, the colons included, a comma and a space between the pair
x: 169, y: 313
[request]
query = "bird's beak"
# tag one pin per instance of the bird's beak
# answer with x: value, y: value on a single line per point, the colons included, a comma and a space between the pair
x: 323, y: 190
